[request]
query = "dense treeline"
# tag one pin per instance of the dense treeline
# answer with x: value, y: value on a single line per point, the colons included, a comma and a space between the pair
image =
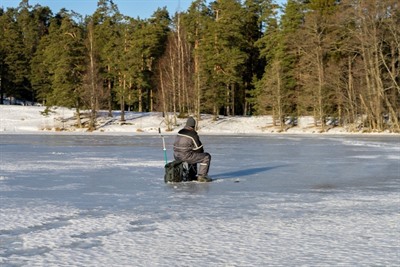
x: 335, y: 60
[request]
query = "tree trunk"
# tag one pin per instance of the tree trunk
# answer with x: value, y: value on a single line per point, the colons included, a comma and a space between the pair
x: 93, y: 97
x: 109, y: 93
x: 78, y: 117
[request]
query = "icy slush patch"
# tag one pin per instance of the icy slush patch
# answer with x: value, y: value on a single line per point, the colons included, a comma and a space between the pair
x: 79, y: 163
x: 3, y: 178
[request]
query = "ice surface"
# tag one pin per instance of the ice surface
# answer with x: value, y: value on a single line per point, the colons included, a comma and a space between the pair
x: 281, y: 200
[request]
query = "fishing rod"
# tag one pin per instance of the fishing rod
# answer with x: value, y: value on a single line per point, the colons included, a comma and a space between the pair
x: 163, y: 140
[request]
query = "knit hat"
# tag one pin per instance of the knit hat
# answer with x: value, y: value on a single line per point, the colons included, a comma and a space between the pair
x: 191, y: 122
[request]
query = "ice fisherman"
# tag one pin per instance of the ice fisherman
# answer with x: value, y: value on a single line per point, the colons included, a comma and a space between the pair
x: 188, y: 148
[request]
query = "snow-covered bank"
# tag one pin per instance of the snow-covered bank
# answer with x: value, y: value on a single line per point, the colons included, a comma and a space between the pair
x: 25, y: 119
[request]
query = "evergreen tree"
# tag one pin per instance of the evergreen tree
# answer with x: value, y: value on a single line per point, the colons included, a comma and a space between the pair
x: 32, y: 22
x: 39, y: 73
x: 255, y: 64
x: 14, y: 61
x: 270, y: 91
x: 2, y: 55
x: 271, y: 87
x: 290, y: 22
x: 65, y: 60
x: 106, y: 20
x: 223, y: 56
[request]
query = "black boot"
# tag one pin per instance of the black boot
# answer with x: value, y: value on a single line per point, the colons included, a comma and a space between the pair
x: 203, y: 178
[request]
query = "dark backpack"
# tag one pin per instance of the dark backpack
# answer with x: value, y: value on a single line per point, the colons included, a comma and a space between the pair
x: 178, y: 171
x: 174, y: 172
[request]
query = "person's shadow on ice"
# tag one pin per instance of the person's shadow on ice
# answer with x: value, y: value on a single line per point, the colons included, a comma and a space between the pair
x: 245, y: 172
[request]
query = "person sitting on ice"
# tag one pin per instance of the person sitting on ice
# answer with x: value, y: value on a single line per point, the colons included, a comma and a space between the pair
x: 188, y: 148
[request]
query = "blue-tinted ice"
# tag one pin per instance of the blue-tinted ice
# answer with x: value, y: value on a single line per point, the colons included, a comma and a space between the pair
x: 279, y: 200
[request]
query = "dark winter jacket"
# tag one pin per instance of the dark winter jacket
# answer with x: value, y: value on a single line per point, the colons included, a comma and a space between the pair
x: 186, y: 143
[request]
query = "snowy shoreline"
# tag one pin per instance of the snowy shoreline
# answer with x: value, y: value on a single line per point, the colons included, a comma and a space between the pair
x: 30, y: 120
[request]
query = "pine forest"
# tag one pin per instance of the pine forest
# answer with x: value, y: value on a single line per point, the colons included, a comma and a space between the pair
x: 337, y: 61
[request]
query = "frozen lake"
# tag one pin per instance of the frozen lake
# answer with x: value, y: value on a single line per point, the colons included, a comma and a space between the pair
x: 279, y: 200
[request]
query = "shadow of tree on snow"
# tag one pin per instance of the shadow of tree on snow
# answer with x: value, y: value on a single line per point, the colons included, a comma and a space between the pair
x: 245, y: 172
